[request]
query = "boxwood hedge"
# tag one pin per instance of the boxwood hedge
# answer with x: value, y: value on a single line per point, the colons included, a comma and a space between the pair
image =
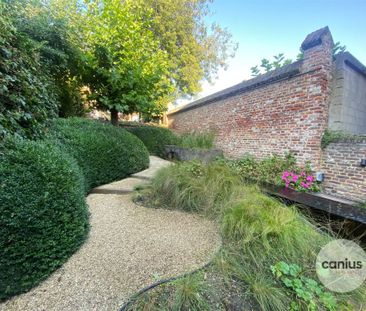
x: 43, y: 215
x: 104, y: 152
x: 154, y: 137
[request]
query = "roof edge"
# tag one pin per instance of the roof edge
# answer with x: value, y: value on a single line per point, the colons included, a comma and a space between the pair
x: 348, y: 59
x: 273, y: 76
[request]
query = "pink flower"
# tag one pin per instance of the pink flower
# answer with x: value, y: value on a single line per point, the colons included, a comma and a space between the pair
x: 303, y: 174
x: 285, y: 175
x: 304, y: 185
x: 310, y: 178
x: 294, y: 177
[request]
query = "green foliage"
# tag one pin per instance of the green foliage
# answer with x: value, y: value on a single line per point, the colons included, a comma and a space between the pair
x: 256, y: 219
x: 40, y: 68
x: 135, y: 56
x: 280, y: 61
x: 196, y: 49
x: 338, y: 48
x: 105, y: 153
x: 255, y: 71
x: 267, y: 65
x: 61, y: 58
x: 43, y: 215
x: 128, y: 71
x: 265, y: 171
x: 258, y: 231
x: 193, y: 187
x: 26, y: 96
x: 248, y: 269
x: 142, y: 54
x: 197, y: 140
x: 189, y: 294
x: 330, y: 136
x: 303, y: 181
x: 308, y: 292
x: 153, y: 137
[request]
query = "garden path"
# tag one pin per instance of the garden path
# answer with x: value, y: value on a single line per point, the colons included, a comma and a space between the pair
x: 129, y: 247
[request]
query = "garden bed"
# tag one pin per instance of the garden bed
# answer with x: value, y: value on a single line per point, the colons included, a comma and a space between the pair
x: 267, y: 258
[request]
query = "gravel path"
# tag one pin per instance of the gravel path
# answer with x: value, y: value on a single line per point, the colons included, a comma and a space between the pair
x: 129, y: 247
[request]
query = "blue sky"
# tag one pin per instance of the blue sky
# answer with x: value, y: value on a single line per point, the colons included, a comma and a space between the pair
x: 265, y: 28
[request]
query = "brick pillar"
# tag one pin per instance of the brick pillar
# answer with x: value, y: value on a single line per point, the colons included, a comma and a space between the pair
x: 318, y: 59
x: 318, y: 50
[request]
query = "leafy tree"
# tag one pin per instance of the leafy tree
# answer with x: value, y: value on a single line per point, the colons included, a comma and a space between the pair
x: 135, y: 56
x: 196, y: 50
x: 127, y: 69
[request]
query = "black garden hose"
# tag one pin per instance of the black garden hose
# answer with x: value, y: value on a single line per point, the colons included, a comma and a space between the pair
x: 133, y: 298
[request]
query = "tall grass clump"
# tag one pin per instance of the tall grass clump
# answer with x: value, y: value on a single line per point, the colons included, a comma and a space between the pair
x: 254, y: 218
x: 197, y: 140
x: 193, y: 187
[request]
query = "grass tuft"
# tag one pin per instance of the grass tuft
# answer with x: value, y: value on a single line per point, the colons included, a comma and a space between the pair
x: 197, y: 140
x: 193, y: 187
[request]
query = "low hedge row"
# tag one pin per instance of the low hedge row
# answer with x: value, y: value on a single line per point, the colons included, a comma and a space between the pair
x: 154, y: 137
x: 43, y: 215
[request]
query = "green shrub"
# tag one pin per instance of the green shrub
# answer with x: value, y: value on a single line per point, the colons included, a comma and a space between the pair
x: 104, y: 152
x: 197, y: 140
x: 263, y: 171
x: 154, y: 137
x: 43, y: 215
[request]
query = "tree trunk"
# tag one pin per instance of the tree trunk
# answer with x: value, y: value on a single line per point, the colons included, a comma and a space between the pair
x: 114, y: 116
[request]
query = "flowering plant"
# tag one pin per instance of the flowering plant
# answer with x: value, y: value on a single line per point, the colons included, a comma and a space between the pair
x: 300, y: 182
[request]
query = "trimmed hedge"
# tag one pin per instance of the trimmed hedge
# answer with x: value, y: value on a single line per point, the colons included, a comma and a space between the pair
x: 104, y: 152
x: 43, y: 215
x: 154, y: 137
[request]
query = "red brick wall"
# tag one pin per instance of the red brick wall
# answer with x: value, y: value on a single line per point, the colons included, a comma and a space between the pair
x: 344, y: 177
x: 288, y: 115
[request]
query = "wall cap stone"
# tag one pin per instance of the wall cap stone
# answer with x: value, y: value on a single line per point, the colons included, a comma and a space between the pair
x: 315, y: 38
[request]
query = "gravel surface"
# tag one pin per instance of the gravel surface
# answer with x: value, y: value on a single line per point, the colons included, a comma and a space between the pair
x: 129, y: 247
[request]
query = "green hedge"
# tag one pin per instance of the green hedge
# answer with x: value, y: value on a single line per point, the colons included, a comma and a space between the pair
x: 104, y: 152
x: 43, y: 215
x: 154, y: 137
